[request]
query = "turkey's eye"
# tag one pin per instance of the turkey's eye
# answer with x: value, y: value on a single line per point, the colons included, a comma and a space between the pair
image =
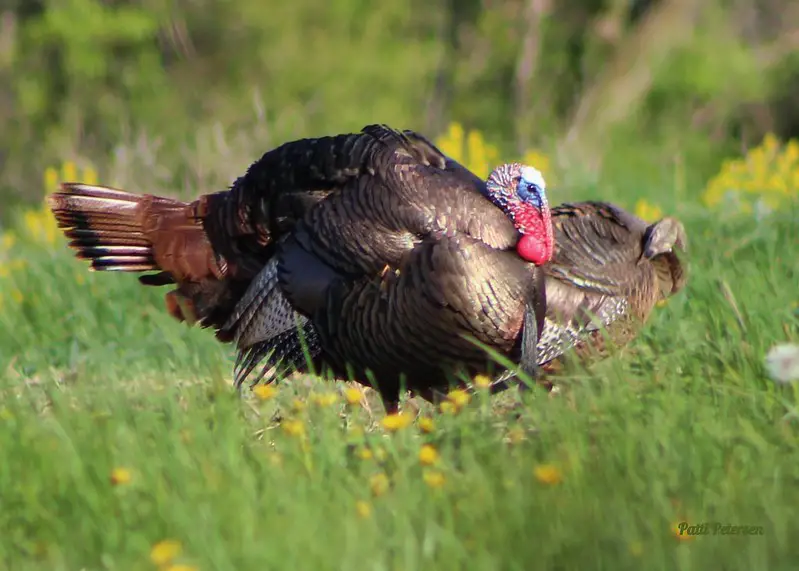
x: 530, y: 193
x: 526, y: 189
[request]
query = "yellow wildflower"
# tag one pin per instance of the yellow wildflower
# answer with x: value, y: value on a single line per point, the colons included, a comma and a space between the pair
x: 434, y: 478
x: 69, y: 171
x: 470, y: 149
x: 397, y: 421
x: 40, y: 225
x: 791, y: 152
x: 459, y: 398
x: 451, y: 143
x: 32, y: 222
x: 264, y: 392
x: 297, y: 405
x: 547, y: 474
x: 353, y: 396
x: 164, y: 552
x: 120, y: 476
x: 428, y: 455
x: 647, y: 211
x: 363, y: 509
x: 324, y: 400
x: 379, y: 484
x: 540, y: 161
x: 680, y: 530
x: 293, y: 427
x: 50, y: 180
x: 478, y: 154
x: 761, y: 181
x: 89, y: 175
x: 426, y: 424
x: 365, y: 453
x: 770, y: 143
x: 447, y: 407
x: 181, y: 567
x: 482, y: 381
x: 516, y: 435
x: 8, y: 241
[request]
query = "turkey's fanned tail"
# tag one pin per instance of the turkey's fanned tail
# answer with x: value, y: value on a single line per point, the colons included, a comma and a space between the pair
x: 103, y: 225
x: 120, y: 231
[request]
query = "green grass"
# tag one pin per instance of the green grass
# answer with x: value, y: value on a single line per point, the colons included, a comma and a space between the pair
x: 683, y: 426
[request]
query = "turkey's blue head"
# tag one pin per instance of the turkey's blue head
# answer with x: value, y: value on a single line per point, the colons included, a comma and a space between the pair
x: 520, y: 191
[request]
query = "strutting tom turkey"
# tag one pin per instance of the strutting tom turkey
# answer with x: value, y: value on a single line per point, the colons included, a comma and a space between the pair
x: 377, y: 253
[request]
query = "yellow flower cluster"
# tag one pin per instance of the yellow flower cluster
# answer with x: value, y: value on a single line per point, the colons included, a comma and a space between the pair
x: 763, y: 180
x: 9, y: 265
x: 38, y: 227
x: 472, y: 151
x: 165, y: 552
x: 39, y: 223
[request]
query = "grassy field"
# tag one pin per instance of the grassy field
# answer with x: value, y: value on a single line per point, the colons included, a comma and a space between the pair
x: 123, y: 445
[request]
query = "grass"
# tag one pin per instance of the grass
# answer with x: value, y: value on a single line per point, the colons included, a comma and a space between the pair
x: 119, y: 429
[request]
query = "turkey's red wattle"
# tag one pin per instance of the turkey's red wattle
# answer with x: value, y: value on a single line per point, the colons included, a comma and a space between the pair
x: 533, y: 249
x: 536, y: 243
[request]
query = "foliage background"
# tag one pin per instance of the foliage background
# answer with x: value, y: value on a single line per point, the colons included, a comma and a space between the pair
x: 186, y: 93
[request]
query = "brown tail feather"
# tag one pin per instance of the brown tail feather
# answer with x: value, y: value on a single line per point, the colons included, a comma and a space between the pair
x: 120, y: 231
x: 104, y: 226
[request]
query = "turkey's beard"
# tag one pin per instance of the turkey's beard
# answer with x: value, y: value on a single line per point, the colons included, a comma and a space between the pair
x: 536, y: 243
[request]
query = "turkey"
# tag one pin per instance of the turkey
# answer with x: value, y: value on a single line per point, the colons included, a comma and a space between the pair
x: 372, y: 253
x: 608, y: 270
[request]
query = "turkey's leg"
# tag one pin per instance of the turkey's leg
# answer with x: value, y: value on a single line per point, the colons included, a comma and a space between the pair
x: 529, y: 357
x: 534, y: 313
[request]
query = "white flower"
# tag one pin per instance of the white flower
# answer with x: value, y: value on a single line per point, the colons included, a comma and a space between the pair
x: 782, y: 363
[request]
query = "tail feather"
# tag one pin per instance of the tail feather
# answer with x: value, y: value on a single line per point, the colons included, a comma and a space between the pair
x: 113, y: 229
x: 117, y: 231
x: 104, y: 226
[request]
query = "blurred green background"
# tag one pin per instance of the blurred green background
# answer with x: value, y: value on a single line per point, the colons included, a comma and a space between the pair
x: 186, y: 93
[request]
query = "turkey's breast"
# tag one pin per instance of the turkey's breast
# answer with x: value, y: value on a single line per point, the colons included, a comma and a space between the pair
x: 422, y: 319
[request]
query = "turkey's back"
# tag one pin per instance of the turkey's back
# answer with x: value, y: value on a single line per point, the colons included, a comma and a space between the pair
x: 601, y: 283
